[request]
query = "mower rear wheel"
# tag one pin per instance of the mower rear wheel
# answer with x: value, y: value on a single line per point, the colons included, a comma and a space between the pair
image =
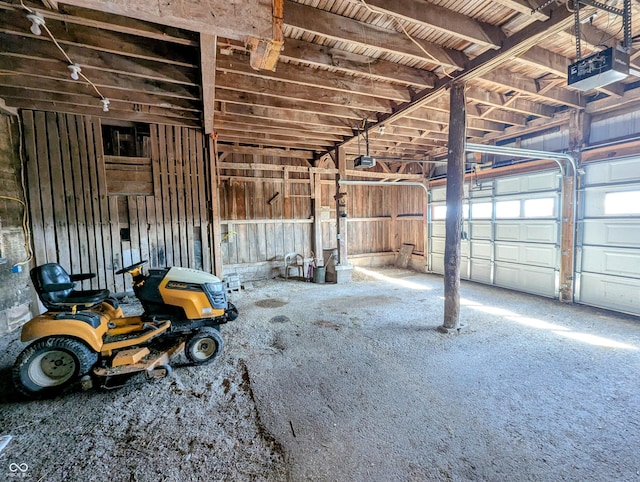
x: 204, y: 346
x: 48, y: 366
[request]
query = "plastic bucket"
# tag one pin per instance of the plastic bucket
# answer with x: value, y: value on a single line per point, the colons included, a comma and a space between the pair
x: 319, y: 274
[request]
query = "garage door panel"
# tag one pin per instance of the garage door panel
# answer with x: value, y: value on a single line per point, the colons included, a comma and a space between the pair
x: 527, y: 231
x: 527, y: 278
x: 544, y: 181
x: 481, y: 270
x: 610, y: 292
x: 437, y: 263
x: 611, y: 261
x: 527, y: 254
x: 437, y: 245
x: 612, y: 232
x: 608, y: 272
x: 623, y: 170
x: 438, y: 229
x: 481, y: 249
x: 480, y: 230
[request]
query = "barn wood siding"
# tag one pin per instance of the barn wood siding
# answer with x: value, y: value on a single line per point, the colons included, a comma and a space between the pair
x: 78, y: 223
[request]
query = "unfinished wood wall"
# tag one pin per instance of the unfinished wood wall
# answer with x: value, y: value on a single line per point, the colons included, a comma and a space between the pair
x: 382, y: 218
x: 265, y: 214
x: 81, y: 224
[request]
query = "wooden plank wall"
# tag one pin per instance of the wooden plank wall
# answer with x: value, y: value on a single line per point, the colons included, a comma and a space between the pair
x: 262, y: 216
x: 78, y: 223
x: 382, y: 218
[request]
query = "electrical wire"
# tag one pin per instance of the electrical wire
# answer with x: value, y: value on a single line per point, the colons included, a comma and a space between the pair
x: 25, y: 212
x: 57, y: 44
x: 404, y: 30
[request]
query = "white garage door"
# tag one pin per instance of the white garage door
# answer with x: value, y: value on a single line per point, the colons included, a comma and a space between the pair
x: 608, y: 250
x: 512, y: 226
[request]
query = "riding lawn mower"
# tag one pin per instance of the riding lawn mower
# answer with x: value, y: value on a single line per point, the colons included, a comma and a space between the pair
x: 84, y: 335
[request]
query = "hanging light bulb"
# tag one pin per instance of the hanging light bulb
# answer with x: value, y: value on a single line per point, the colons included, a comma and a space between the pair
x: 37, y: 20
x: 105, y: 104
x: 75, y: 70
x: 381, y: 129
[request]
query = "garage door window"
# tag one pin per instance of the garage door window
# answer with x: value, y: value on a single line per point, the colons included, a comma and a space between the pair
x: 627, y: 202
x: 507, y: 209
x: 439, y: 212
x: 481, y: 210
x: 539, y: 208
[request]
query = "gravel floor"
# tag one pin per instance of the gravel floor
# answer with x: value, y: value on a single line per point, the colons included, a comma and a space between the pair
x: 353, y: 382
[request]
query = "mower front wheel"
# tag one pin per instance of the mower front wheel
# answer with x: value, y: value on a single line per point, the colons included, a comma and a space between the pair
x: 47, y: 366
x: 204, y: 346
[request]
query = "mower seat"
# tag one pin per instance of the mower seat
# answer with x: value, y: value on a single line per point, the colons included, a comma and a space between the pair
x: 55, y: 289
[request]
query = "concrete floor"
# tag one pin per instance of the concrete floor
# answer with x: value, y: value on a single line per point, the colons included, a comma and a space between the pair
x: 357, y: 384
x: 353, y: 382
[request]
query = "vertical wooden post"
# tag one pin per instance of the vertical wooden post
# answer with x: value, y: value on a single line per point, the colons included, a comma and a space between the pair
x: 341, y: 207
x: 216, y: 236
x: 208, y: 45
x: 578, y: 132
x: 455, y: 192
x: 317, y: 215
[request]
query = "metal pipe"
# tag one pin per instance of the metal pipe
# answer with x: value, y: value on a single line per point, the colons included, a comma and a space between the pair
x: 384, y: 183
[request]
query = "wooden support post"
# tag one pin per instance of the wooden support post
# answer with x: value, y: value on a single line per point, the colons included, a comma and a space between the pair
x: 317, y: 216
x: 341, y: 207
x: 455, y: 193
x: 208, y: 74
x: 216, y: 236
x: 578, y: 133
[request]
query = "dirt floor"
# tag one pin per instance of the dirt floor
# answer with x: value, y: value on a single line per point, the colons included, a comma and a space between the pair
x: 353, y: 382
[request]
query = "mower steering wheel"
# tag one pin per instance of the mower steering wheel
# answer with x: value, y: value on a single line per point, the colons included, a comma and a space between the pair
x: 132, y: 267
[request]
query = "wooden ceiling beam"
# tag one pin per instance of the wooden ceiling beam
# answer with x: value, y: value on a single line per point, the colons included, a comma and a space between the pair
x: 252, y: 99
x: 106, y: 20
x: 344, y: 29
x: 265, y: 151
x: 69, y: 87
x: 254, y: 18
x: 10, y: 93
x: 240, y: 127
x: 530, y: 87
x: 438, y: 19
x: 273, y: 114
x: 299, y: 75
x: 57, y: 70
x: 273, y: 88
x: 97, y: 111
x: 26, y: 47
x: 15, y: 23
x: 270, y: 141
x: 284, y: 124
x: 500, y: 101
x: 327, y: 57
x: 473, y: 121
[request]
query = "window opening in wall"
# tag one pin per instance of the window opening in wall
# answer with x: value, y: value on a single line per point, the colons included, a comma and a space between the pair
x: 126, y: 139
x: 627, y: 202
x: 481, y: 210
x: 539, y: 208
x: 508, y: 209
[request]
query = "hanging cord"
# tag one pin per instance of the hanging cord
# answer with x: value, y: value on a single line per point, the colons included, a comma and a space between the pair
x: 404, y: 30
x: 66, y: 56
x: 25, y: 212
